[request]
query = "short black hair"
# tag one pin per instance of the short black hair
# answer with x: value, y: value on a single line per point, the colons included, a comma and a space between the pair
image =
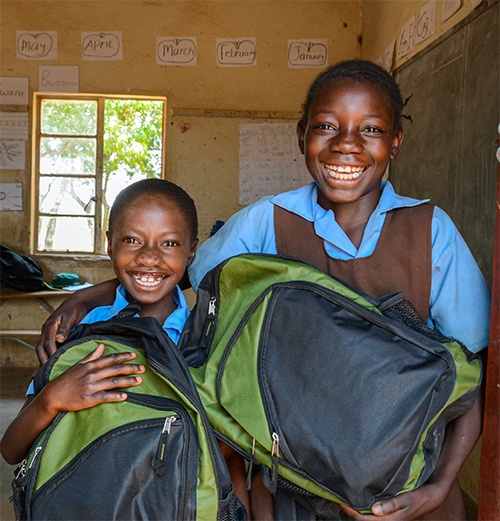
x: 360, y: 71
x: 174, y: 193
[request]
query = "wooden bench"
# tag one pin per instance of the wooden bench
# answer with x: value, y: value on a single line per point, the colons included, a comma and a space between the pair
x: 18, y: 335
x: 43, y: 297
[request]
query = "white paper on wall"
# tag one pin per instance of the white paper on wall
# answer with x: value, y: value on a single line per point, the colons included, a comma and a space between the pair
x: 450, y: 7
x: 270, y: 161
x: 406, y: 42
x: 58, y: 78
x: 14, y: 91
x: 102, y: 46
x: 13, y: 125
x: 426, y: 24
x: 176, y: 50
x: 12, y: 154
x: 11, y: 197
x: 36, y: 45
x: 236, y: 52
x: 388, y: 59
x: 307, y: 53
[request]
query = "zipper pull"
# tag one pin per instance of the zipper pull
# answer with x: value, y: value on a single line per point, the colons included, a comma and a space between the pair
x: 250, y: 465
x: 211, y: 308
x: 158, y: 463
x: 35, y: 456
x: 205, y: 338
x: 21, y: 471
x: 275, y: 454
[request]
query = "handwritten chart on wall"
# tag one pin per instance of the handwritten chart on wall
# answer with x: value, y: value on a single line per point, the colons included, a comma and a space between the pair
x: 270, y: 161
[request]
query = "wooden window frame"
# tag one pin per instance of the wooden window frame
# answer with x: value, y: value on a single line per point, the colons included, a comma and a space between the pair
x: 38, y: 97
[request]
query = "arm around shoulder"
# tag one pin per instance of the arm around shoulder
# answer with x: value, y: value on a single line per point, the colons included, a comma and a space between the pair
x: 58, y: 326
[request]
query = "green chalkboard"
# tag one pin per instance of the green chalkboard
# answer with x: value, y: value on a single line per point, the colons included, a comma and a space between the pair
x: 448, y: 154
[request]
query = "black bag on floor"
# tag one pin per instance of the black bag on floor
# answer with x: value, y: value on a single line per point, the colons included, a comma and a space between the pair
x: 20, y: 272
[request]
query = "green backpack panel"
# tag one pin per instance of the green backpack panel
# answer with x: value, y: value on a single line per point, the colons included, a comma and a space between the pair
x: 153, y: 456
x: 338, y: 395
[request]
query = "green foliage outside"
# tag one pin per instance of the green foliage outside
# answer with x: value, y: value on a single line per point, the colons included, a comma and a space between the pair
x: 132, y: 148
x: 133, y: 137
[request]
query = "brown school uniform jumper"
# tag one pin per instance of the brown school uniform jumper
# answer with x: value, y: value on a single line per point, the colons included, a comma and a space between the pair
x: 401, y: 262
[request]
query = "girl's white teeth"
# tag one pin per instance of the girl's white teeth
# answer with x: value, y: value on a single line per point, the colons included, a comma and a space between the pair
x: 147, y: 279
x: 344, y: 172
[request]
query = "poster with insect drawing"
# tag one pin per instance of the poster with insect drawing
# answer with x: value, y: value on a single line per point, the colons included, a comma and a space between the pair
x: 12, y: 154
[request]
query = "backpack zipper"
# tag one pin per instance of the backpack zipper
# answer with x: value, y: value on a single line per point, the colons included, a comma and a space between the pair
x: 206, y: 337
x: 158, y: 463
x: 192, y: 395
x: 28, y: 472
x: 275, y: 455
x: 189, y: 459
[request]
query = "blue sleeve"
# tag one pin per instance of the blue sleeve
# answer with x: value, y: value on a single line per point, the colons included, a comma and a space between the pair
x: 460, y: 297
x: 31, y: 389
x: 251, y: 230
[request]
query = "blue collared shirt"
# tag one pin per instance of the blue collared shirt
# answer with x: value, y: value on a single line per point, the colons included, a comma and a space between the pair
x: 460, y: 297
x: 173, y: 325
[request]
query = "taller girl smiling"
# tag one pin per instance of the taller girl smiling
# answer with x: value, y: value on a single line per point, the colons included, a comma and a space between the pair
x: 353, y: 225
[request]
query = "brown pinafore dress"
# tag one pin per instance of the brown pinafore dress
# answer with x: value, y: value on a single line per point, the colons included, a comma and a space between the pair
x: 401, y: 262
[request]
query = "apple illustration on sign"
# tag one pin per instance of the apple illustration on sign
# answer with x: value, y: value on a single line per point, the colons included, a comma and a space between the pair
x: 241, y: 52
x: 101, y: 45
x: 307, y: 53
x: 34, y: 45
x: 176, y: 50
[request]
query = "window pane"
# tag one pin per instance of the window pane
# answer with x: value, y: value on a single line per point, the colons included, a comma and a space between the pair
x: 69, y: 117
x: 71, y: 156
x: 66, y: 234
x: 81, y: 155
x: 133, y: 137
x: 67, y: 196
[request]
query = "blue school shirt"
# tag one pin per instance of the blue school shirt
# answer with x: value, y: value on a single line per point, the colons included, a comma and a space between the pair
x: 460, y: 297
x: 173, y: 325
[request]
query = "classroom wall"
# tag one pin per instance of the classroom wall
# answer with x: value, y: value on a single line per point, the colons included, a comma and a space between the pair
x: 205, y: 102
x: 270, y: 86
x: 384, y: 22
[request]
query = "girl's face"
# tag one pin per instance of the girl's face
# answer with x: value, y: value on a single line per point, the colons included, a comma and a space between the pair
x: 151, y: 246
x: 348, y: 142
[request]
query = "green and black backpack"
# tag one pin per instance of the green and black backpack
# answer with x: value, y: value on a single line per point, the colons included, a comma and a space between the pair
x: 343, y: 399
x: 153, y: 456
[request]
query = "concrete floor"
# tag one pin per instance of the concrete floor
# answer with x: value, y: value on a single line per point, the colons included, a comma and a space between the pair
x: 13, y: 385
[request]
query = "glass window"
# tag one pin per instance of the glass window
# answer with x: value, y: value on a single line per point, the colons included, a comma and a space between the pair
x: 88, y: 148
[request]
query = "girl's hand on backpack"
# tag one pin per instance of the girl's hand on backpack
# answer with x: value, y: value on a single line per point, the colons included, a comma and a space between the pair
x: 404, y: 507
x: 94, y: 380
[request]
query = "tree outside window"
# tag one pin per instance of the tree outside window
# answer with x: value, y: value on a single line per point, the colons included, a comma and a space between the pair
x: 90, y: 148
